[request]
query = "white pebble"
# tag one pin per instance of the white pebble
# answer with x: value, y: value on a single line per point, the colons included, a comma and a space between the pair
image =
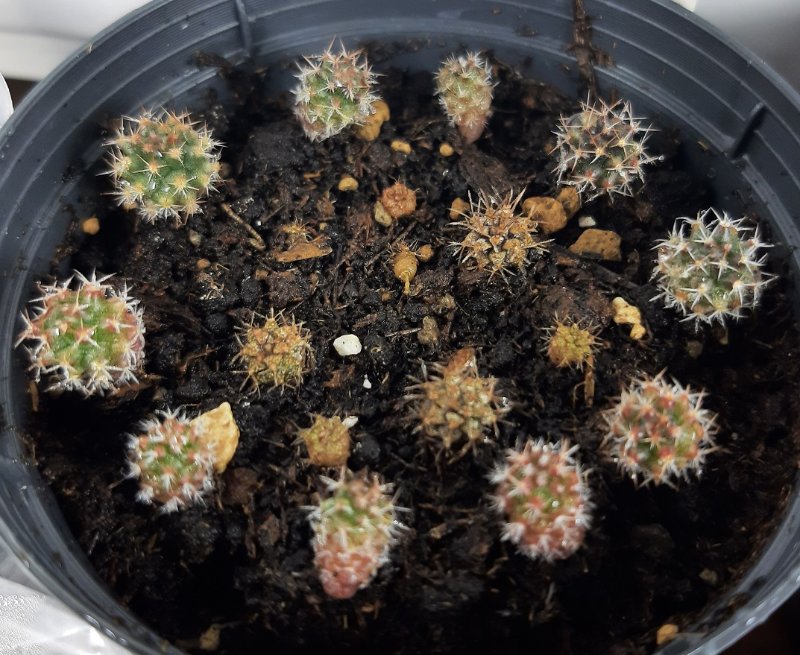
x: 586, y: 221
x: 347, y: 344
x: 367, y: 384
x: 349, y: 421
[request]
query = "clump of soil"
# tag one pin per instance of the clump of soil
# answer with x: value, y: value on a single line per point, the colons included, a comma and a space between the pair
x: 236, y: 574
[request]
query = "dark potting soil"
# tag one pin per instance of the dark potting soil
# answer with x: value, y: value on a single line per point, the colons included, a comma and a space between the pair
x: 236, y: 576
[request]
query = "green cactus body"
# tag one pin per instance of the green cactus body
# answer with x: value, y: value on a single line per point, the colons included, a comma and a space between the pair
x: 601, y: 150
x: 659, y: 432
x: 163, y: 165
x: 88, y: 339
x: 334, y: 91
x: 712, y: 273
x: 464, y: 85
x: 172, y: 461
x: 543, y: 493
x: 354, y: 528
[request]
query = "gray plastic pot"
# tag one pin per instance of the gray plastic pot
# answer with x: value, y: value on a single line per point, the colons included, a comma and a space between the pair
x: 741, y: 123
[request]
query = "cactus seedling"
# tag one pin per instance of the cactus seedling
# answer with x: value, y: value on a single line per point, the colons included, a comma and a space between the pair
x: 713, y: 272
x: 569, y: 344
x: 163, y: 165
x: 543, y: 493
x: 498, y: 237
x: 354, y: 527
x: 659, y: 432
x: 88, y: 339
x: 327, y: 441
x: 464, y: 85
x: 173, y: 463
x: 334, y: 91
x: 601, y: 150
x: 276, y: 353
x: 457, y: 403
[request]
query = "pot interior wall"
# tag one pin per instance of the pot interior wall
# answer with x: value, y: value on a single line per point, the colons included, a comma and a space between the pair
x: 740, y: 124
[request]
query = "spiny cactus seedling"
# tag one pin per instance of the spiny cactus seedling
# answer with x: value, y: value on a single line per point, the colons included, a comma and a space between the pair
x: 354, y: 527
x: 464, y: 85
x: 498, y: 237
x: 88, y: 339
x: 659, y: 432
x: 569, y: 343
x: 457, y: 403
x: 327, y: 441
x: 543, y: 493
x: 162, y: 165
x: 173, y: 463
x: 334, y: 91
x: 601, y: 150
x: 276, y: 353
x: 714, y: 272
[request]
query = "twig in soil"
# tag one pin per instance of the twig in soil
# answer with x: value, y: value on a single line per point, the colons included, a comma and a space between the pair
x: 184, y: 365
x: 585, y: 52
x: 402, y: 333
x: 256, y: 241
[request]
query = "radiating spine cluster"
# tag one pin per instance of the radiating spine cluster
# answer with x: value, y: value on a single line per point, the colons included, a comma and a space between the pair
x: 354, y: 527
x: 464, y: 85
x: 712, y: 273
x: 601, y: 150
x: 334, y: 91
x: 659, y: 432
x: 163, y: 165
x: 88, y: 339
x: 542, y: 491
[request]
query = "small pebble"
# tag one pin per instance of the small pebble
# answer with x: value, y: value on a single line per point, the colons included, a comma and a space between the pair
x: 604, y: 244
x: 91, y: 225
x: 446, y: 150
x: 347, y: 345
x: 570, y: 199
x: 398, y: 145
x: 367, y: 384
x: 458, y: 208
x: 586, y: 221
x: 202, y: 264
x: 666, y: 633
x: 350, y: 421
x: 348, y: 183
x: 195, y: 238
x: 424, y: 253
x: 371, y: 128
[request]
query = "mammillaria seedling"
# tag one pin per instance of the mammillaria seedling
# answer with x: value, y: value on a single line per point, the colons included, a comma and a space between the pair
x: 88, y: 339
x: 334, y: 91
x: 543, y: 493
x: 714, y: 272
x: 457, y: 403
x: 498, y: 237
x: 601, y: 150
x: 163, y: 165
x: 464, y: 85
x: 354, y: 527
x: 327, y: 441
x: 659, y: 432
x: 174, y: 464
x: 276, y: 353
x: 569, y: 343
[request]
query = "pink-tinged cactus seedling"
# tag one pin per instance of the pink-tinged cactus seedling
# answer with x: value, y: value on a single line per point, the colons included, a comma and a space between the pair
x: 354, y: 528
x: 334, y: 91
x: 162, y: 165
x: 464, y: 85
x: 88, y: 339
x: 174, y: 464
x: 601, y: 150
x: 659, y: 432
x: 542, y: 491
x: 712, y: 273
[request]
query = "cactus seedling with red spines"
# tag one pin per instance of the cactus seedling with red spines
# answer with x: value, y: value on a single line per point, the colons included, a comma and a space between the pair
x: 172, y: 461
x: 457, y: 403
x: 712, y: 273
x: 498, y: 237
x: 659, y: 432
x: 601, y: 150
x: 162, y: 165
x: 88, y: 339
x: 464, y: 85
x: 542, y: 491
x: 334, y: 91
x: 354, y: 527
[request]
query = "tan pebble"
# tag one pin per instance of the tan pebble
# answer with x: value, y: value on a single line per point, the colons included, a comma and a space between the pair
x: 202, y: 264
x: 549, y: 214
x: 666, y: 633
x: 382, y: 217
x: 424, y: 253
x: 386, y: 296
x: 694, y: 348
x: 398, y: 145
x: 599, y: 243
x: 209, y: 640
x: 398, y: 200
x: 371, y: 128
x: 627, y: 314
x: 446, y: 150
x: 348, y: 183
x: 429, y: 334
x: 218, y: 429
x: 91, y: 225
x: 570, y: 199
x: 458, y: 208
